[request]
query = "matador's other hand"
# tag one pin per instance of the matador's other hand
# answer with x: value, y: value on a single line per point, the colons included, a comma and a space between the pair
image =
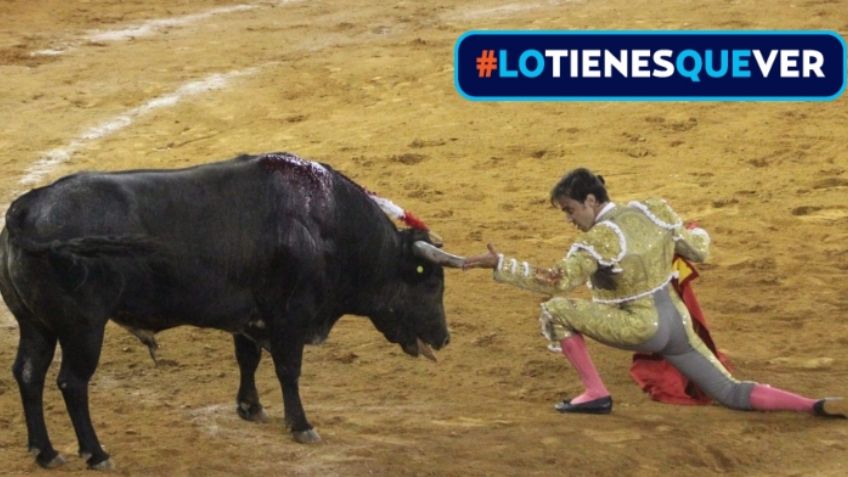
x: 487, y: 260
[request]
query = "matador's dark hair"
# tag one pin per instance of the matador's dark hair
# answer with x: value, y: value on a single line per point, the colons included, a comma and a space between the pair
x: 578, y: 184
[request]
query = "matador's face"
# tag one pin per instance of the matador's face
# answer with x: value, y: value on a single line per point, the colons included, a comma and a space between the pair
x: 579, y: 214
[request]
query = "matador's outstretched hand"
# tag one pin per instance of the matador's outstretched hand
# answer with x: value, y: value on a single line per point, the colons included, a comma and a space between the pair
x: 487, y: 260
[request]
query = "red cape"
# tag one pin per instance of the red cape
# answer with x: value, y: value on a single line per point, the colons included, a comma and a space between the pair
x: 658, y: 377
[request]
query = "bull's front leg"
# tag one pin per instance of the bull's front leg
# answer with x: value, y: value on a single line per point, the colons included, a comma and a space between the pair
x: 287, y: 351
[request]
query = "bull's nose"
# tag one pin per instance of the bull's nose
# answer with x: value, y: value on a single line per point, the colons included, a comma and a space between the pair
x: 445, y: 343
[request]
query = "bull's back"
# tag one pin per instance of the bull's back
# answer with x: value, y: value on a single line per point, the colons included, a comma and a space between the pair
x: 134, y: 202
x: 189, y: 241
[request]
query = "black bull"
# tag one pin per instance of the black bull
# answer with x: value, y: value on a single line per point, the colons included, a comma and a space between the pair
x: 270, y: 248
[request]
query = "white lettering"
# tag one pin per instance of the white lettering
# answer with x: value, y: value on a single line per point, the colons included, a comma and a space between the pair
x: 575, y: 64
x: 639, y: 63
x: 661, y: 58
x: 591, y: 63
x: 619, y: 63
x: 813, y: 61
x: 788, y: 61
x: 556, y: 57
x: 765, y: 65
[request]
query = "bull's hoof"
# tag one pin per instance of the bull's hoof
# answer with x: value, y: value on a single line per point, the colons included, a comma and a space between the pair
x: 105, y: 465
x: 252, y: 413
x: 102, y: 465
x: 309, y: 436
x: 97, y: 461
x: 49, y: 461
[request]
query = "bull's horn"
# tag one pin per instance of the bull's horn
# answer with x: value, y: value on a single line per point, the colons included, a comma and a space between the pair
x: 433, y: 254
x: 426, y: 350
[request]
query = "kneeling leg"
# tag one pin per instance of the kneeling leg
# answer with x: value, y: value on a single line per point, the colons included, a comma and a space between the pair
x: 704, y: 369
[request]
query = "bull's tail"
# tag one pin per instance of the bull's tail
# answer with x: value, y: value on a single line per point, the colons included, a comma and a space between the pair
x: 92, y: 270
x: 91, y: 247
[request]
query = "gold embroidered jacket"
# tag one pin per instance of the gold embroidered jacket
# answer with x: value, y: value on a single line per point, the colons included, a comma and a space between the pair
x: 626, y: 255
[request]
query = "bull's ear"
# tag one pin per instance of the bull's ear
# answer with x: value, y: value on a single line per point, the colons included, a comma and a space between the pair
x: 433, y: 254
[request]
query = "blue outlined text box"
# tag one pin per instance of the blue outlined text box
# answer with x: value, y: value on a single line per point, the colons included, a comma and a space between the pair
x: 650, y: 66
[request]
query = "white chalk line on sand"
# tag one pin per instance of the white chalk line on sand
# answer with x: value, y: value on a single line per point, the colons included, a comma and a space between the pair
x: 147, y: 28
x: 152, y: 27
x: 55, y: 157
x: 504, y: 10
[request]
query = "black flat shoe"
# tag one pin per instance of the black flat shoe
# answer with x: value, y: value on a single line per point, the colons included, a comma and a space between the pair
x: 596, y: 406
x: 831, y: 407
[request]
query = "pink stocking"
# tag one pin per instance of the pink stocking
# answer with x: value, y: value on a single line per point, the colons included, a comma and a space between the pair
x: 767, y: 398
x: 574, y: 349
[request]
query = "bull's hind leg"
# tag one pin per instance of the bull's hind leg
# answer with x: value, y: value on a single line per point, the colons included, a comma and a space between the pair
x: 35, y: 353
x: 248, y: 355
x: 80, y: 353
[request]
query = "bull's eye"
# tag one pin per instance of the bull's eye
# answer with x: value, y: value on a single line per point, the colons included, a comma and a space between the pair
x: 420, y: 269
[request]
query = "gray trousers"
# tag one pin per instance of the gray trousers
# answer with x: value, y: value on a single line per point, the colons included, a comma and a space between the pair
x: 660, y: 324
x: 677, y: 342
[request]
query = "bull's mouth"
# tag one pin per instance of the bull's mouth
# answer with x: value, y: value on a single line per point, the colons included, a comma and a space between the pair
x: 419, y: 347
